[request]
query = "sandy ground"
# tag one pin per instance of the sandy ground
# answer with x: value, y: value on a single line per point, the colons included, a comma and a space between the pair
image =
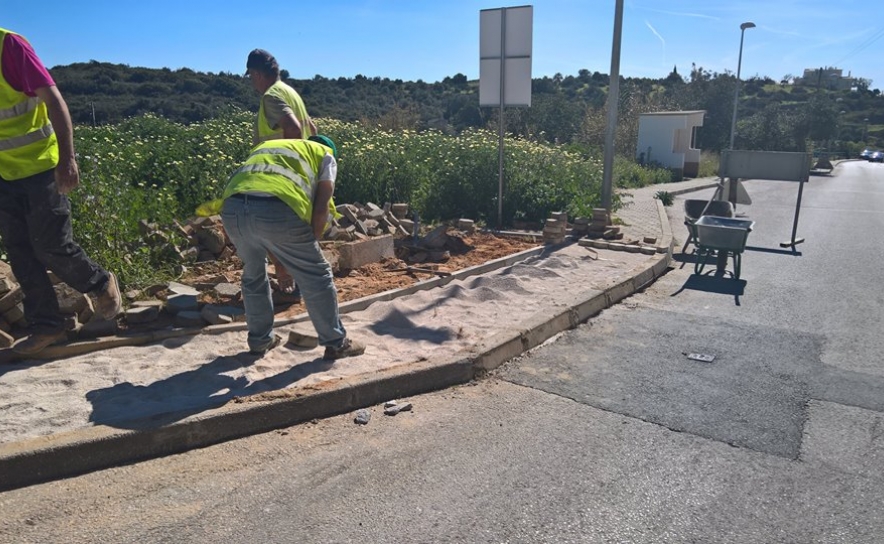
x: 115, y: 387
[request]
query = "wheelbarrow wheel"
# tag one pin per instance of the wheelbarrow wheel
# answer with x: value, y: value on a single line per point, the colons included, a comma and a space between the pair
x: 738, y: 258
x: 700, y: 255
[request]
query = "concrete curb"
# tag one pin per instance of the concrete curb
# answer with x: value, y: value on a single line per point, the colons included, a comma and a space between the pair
x: 53, y: 457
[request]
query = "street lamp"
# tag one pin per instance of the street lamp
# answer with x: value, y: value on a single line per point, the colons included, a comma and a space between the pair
x: 743, y: 28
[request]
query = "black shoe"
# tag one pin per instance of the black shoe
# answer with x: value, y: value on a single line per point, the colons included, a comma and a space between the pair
x: 349, y: 348
x: 273, y: 343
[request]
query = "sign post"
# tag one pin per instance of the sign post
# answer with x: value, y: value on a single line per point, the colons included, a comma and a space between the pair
x: 505, y: 37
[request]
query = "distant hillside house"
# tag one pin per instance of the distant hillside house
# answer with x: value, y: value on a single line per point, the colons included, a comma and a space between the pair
x: 667, y: 138
x: 828, y: 78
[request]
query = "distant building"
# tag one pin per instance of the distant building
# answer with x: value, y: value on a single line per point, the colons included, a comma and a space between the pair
x: 828, y: 78
x: 667, y: 138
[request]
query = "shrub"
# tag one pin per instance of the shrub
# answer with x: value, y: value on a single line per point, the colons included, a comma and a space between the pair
x: 665, y: 197
x: 708, y: 164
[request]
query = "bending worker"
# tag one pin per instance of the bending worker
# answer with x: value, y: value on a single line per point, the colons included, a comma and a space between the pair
x: 279, y: 201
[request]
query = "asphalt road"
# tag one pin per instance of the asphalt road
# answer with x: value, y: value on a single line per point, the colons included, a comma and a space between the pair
x: 608, y: 433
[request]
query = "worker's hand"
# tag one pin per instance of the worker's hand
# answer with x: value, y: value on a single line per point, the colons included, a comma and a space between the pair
x: 67, y: 175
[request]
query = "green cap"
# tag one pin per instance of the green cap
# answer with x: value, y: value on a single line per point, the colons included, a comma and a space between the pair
x: 327, y: 142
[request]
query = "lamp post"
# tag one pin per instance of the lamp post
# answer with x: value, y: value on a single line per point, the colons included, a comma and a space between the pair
x: 732, y: 185
x: 743, y: 28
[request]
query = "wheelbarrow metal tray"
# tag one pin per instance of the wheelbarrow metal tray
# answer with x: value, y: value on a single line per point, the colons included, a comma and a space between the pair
x: 723, y: 233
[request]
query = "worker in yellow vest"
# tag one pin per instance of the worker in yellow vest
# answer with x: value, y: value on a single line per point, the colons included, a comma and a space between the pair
x: 279, y: 201
x: 282, y: 114
x: 38, y: 167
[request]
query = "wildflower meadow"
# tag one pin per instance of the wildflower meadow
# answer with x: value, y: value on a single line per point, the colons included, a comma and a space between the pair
x: 149, y: 169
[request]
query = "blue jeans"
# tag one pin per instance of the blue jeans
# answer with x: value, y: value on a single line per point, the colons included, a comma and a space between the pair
x: 262, y: 224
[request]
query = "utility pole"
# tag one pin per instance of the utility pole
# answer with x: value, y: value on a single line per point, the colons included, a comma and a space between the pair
x: 613, y: 102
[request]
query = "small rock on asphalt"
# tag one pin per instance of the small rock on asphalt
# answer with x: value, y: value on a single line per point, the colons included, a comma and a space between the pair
x: 393, y: 410
x: 362, y: 417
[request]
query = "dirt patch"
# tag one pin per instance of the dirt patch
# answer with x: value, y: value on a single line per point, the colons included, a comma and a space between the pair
x: 471, y: 250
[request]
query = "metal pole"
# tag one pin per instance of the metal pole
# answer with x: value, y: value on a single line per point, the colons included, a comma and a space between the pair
x: 613, y: 102
x: 501, y: 120
x: 743, y: 28
x: 732, y: 185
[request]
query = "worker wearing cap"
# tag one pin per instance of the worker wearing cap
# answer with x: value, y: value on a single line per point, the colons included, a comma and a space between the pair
x: 282, y: 114
x: 279, y: 201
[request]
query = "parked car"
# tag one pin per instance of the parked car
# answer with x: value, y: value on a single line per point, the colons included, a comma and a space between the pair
x: 866, y: 153
x: 876, y: 156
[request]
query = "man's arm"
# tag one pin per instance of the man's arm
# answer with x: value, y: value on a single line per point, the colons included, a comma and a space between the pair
x: 291, y: 128
x: 324, y: 191
x: 67, y: 175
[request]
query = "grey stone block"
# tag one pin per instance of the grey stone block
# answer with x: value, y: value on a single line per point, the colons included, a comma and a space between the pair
x: 98, y: 328
x: 182, y: 303
x: 189, y: 318
x: 10, y: 299
x: 303, y: 338
x: 355, y: 254
x: 227, y: 289
x: 142, y: 314
x: 217, y: 315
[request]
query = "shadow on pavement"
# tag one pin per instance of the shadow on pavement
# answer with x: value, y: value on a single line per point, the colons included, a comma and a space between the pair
x: 142, y: 407
x: 791, y: 252
x: 398, y: 325
x: 711, y: 283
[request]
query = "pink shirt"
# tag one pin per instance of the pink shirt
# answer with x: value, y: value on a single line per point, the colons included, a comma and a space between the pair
x: 21, y: 66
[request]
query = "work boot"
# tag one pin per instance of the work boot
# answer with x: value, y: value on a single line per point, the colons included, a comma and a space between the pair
x: 275, y: 341
x: 37, y: 342
x: 108, y: 302
x: 349, y: 348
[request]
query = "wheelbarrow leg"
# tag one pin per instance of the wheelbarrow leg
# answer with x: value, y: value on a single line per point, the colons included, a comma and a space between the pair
x: 721, y: 262
x: 701, y: 256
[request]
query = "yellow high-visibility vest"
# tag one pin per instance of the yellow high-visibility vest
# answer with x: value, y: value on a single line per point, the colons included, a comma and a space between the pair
x: 286, y: 169
x: 291, y: 97
x: 28, y: 144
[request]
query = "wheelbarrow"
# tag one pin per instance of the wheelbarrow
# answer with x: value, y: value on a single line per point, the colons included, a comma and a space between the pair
x: 694, y: 209
x: 721, y: 234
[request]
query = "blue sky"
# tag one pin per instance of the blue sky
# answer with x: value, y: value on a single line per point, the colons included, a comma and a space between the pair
x: 432, y: 39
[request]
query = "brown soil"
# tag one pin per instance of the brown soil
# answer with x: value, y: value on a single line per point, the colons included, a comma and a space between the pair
x: 473, y: 249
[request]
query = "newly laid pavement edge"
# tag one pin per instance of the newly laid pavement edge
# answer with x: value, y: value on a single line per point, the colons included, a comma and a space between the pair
x: 52, y: 457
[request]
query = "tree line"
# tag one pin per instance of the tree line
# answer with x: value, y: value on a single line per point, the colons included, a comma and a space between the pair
x: 773, y: 115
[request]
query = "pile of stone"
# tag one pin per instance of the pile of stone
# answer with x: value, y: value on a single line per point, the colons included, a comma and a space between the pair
x: 11, y: 311
x: 168, y: 304
x: 183, y: 306
x: 204, y: 239
x: 77, y: 308
x: 601, y: 227
x: 555, y: 228
x: 437, y: 245
x: 646, y: 246
x: 361, y: 221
